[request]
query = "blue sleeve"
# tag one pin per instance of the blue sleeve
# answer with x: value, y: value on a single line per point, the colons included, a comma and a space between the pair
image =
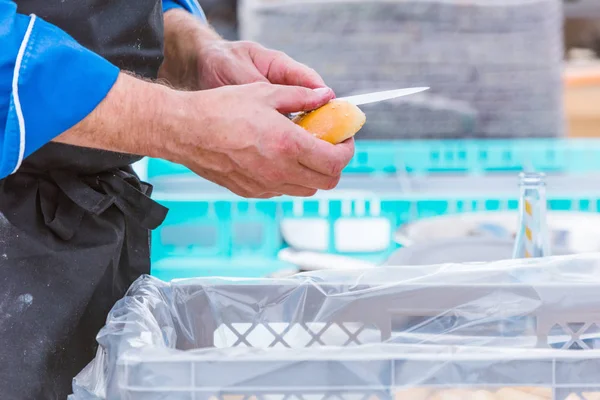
x: 190, y: 5
x: 48, y: 83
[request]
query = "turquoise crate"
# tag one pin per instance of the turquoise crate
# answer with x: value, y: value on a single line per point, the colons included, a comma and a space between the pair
x: 191, y: 267
x: 455, y: 156
x: 203, y: 228
x: 210, y: 231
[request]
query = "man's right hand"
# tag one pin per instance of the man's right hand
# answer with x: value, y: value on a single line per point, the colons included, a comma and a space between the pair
x: 239, y: 138
x: 235, y: 136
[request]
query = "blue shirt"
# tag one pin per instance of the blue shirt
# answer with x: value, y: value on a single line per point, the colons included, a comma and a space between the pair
x: 39, y: 98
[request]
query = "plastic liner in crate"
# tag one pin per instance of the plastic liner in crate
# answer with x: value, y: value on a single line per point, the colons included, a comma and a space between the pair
x: 189, y: 339
x: 502, y: 58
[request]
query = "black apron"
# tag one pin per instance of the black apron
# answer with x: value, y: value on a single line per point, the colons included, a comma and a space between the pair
x: 74, y: 222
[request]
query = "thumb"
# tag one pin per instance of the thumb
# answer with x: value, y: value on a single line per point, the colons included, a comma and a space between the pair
x: 292, y: 99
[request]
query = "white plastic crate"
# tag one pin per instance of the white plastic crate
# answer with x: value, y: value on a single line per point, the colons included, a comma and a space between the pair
x: 343, y: 334
x: 500, y: 58
x: 377, y: 372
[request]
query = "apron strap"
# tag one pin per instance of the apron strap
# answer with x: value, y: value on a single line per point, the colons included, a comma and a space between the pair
x: 132, y: 197
x: 120, y: 188
x: 81, y: 193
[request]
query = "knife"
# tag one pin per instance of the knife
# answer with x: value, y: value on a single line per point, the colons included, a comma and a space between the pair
x: 375, y: 97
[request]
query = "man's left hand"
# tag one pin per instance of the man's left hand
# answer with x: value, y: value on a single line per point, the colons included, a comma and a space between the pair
x: 196, y: 58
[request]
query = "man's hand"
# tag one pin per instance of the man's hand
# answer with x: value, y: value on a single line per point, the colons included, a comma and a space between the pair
x: 197, y: 58
x: 242, y: 141
x: 235, y: 136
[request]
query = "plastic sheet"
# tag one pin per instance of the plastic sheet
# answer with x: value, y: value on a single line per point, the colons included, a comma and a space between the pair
x: 372, y: 332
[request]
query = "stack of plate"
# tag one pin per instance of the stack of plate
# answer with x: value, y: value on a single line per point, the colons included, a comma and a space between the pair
x: 500, y: 58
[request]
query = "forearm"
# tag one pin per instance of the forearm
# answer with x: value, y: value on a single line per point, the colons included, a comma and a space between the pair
x: 136, y: 117
x: 186, y: 37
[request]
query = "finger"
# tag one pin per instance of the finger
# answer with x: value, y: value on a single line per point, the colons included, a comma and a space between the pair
x: 268, y: 195
x: 296, y: 191
x: 304, y: 176
x: 246, y: 74
x: 292, y: 99
x: 223, y: 181
x: 241, y: 191
x: 233, y: 186
x: 286, y: 71
x: 324, y: 157
x: 281, y: 69
x: 249, y: 185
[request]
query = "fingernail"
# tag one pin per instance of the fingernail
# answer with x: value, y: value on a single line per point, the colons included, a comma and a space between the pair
x: 323, y: 91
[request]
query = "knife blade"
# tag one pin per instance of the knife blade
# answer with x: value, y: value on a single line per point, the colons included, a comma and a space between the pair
x: 375, y: 97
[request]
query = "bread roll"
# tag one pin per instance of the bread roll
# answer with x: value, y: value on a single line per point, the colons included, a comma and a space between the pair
x: 334, y: 122
x: 546, y: 393
x: 482, y: 395
x: 515, y: 394
x: 452, y: 394
x: 413, y: 394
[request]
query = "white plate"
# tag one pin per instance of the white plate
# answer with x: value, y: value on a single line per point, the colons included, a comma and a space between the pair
x: 313, y: 261
x: 458, y: 250
x: 579, y: 232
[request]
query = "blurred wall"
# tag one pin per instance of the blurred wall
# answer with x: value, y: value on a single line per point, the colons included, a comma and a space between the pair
x: 581, y: 30
x: 222, y: 15
x: 494, y: 66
